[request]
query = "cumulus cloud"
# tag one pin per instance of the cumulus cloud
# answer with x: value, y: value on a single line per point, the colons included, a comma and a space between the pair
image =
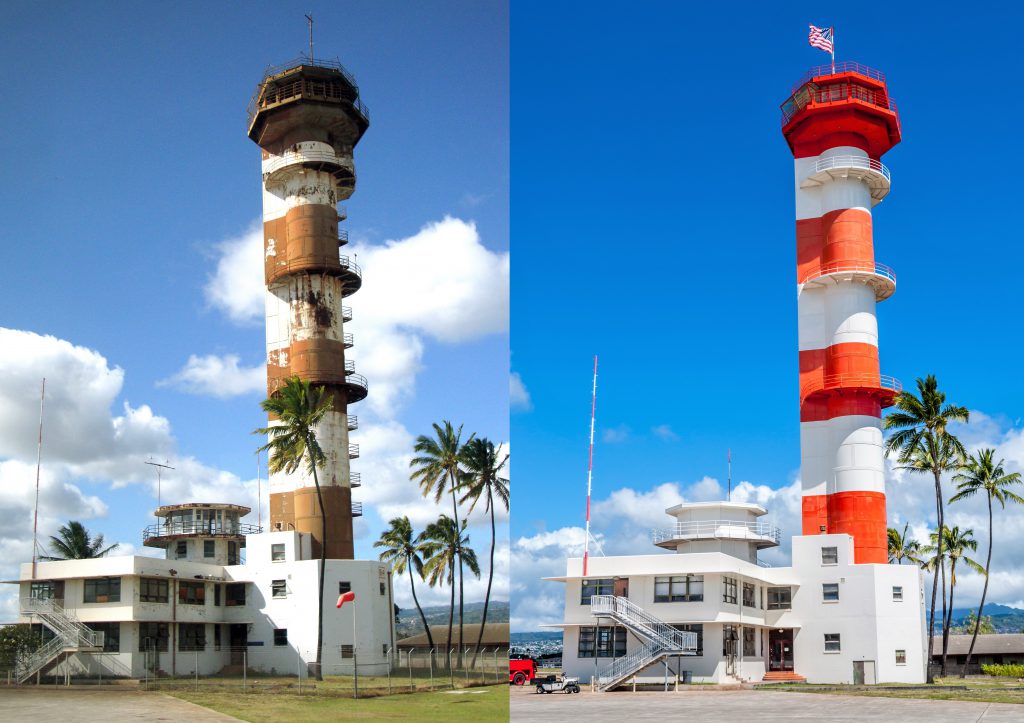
x: 218, y: 376
x: 664, y: 431
x: 518, y: 395
x: 615, y: 435
x: 236, y: 285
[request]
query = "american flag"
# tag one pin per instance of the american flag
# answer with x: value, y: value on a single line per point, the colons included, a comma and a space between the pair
x: 821, y: 38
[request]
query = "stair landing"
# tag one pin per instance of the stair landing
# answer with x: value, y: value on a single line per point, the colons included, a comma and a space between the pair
x: 783, y: 676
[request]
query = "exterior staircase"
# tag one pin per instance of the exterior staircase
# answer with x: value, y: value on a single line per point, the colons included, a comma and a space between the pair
x: 783, y: 676
x: 660, y: 638
x: 70, y: 636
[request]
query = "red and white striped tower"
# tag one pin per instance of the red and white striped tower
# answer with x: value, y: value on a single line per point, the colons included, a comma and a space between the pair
x: 839, y: 121
x: 307, y: 118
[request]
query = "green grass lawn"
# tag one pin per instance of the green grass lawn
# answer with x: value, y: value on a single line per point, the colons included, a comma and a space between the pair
x: 488, y: 703
x: 980, y: 690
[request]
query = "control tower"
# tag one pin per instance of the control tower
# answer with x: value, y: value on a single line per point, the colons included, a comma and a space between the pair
x: 839, y: 121
x: 307, y: 118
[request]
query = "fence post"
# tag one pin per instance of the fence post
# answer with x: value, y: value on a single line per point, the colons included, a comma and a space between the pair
x: 465, y: 668
x: 408, y: 661
x: 355, y: 670
x: 431, y: 668
x: 197, y: 669
x: 245, y: 667
x: 451, y: 670
x: 389, y: 671
x: 298, y: 667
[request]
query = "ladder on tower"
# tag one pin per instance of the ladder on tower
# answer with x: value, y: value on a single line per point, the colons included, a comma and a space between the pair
x: 70, y: 636
x: 661, y: 640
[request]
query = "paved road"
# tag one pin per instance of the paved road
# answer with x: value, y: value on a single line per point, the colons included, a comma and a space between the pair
x: 97, y: 704
x: 749, y: 705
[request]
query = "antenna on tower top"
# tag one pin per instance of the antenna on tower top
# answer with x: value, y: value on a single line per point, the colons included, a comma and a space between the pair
x: 728, y: 458
x: 590, y: 470
x: 309, y: 20
x: 158, y: 466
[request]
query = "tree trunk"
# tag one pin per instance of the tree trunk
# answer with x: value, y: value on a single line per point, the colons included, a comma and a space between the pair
x: 458, y: 550
x: 949, y: 617
x: 935, y: 580
x: 412, y: 584
x: 451, y: 614
x: 323, y: 559
x: 490, y: 578
x: 984, y: 591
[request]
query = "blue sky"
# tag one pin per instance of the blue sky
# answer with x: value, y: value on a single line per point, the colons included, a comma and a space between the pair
x: 653, y: 223
x: 132, y: 192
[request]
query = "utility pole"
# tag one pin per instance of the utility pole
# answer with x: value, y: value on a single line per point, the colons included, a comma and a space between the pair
x: 309, y: 19
x: 39, y: 462
x: 158, y: 468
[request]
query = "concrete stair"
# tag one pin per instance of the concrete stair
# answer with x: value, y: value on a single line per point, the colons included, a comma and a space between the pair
x: 783, y: 676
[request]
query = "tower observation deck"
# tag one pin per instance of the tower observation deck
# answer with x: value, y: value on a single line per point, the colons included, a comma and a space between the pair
x: 307, y: 118
x: 838, y: 122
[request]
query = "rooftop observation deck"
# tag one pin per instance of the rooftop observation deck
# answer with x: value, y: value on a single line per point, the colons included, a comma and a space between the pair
x: 762, y: 534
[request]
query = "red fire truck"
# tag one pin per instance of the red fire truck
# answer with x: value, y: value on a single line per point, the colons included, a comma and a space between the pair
x: 522, y: 669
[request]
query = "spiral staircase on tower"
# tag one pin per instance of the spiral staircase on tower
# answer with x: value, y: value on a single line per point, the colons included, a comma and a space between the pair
x: 70, y: 636
x: 660, y: 639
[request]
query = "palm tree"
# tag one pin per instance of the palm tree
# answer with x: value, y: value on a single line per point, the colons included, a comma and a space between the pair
x: 482, y: 480
x: 445, y: 542
x: 920, y: 436
x: 436, y: 469
x: 403, y: 553
x: 903, y: 548
x: 73, y: 542
x: 298, y: 408
x: 956, y: 543
x: 981, y: 472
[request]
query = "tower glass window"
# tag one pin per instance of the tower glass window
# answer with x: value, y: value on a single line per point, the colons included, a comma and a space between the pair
x: 280, y: 636
x: 897, y: 593
x: 154, y: 636
x: 153, y: 589
x: 102, y: 590
x: 749, y: 598
x: 729, y: 590
x: 830, y: 556
x: 679, y: 588
x: 277, y: 552
x: 191, y: 593
x: 780, y: 598
x: 279, y: 588
x: 209, y: 548
x: 602, y: 586
x: 181, y: 549
x: 831, y: 642
x: 191, y: 636
x: 830, y: 592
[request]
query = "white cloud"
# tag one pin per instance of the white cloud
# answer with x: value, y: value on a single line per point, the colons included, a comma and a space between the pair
x: 664, y: 431
x: 615, y: 435
x: 236, y: 287
x: 518, y: 394
x: 218, y: 376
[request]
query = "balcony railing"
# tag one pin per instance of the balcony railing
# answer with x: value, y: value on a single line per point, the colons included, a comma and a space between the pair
x: 303, y: 86
x: 353, y: 422
x: 211, y: 527
x: 850, y: 161
x: 357, y: 380
x: 350, y: 366
x: 342, y: 237
x: 847, y: 66
x: 355, y: 479
x: 851, y: 381
x: 357, y: 509
x: 834, y: 93
x: 349, y: 264
x: 718, y: 529
x: 342, y: 213
x: 353, y: 451
x: 346, y: 313
x: 840, y: 267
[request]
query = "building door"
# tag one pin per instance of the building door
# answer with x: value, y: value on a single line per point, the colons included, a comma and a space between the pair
x: 238, y: 639
x: 621, y: 587
x: 780, y: 649
x: 864, y: 672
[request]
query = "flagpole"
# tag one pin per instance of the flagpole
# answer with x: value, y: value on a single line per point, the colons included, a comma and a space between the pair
x: 833, y: 50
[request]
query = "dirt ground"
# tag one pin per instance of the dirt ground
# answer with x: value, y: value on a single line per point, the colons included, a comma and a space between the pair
x: 98, y: 704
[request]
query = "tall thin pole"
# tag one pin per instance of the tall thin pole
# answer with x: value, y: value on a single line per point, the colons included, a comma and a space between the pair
x: 309, y: 18
x: 259, y: 494
x: 729, y: 473
x: 39, y: 463
x: 158, y: 467
x: 590, y: 470
x: 833, y: 50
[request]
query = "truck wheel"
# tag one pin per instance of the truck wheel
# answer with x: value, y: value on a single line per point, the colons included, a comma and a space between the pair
x: 540, y: 689
x: 519, y: 679
x: 574, y: 689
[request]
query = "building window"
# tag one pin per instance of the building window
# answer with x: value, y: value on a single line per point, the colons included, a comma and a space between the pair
x: 277, y: 552
x: 280, y: 636
x: 216, y: 594
x: 897, y: 593
x: 749, y: 642
x: 234, y: 594
x: 191, y: 636
x: 780, y: 598
x: 102, y: 589
x: 602, y: 642
x: 111, y: 636
x: 216, y: 637
x: 604, y: 586
x: 278, y: 588
x: 729, y: 638
x: 153, y: 636
x: 679, y: 588
x: 382, y: 589
x: 694, y: 628
x: 830, y: 556
x: 901, y: 657
x: 232, y: 553
x: 153, y: 589
x: 209, y: 548
x: 830, y: 592
x: 729, y: 590
x: 346, y: 651
x: 749, y: 595
x: 831, y: 642
x: 43, y: 590
x: 344, y: 586
x: 181, y: 550
x: 191, y: 593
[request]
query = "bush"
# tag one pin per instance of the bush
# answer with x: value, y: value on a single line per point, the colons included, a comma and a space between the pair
x: 1007, y: 671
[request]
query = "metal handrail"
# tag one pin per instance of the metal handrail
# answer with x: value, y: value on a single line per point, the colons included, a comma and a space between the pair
x: 642, y: 622
x: 347, y: 263
x: 355, y: 479
x: 353, y: 422
x: 353, y: 451
x: 294, y: 158
x: 851, y: 161
x: 203, y: 527
x: 762, y: 563
x: 840, y: 381
x: 357, y: 380
x: 348, y: 341
x: 342, y: 237
x: 839, y: 267
x: 27, y: 666
x: 357, y: 509
x: 717, y: 528
x: 346, y: 313
x: 302, y: 60
x: 630, y: 663
x: 350, y: 366
x: 847, y: 66
x: 835, y: 93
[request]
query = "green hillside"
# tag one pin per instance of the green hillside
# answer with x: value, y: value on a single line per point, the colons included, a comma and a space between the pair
x: 409, y: 622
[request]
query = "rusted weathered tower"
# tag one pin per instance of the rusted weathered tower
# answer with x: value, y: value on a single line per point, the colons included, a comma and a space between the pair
x: 307, y: 118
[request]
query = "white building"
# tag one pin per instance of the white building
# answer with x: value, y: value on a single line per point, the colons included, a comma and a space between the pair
x: 824, y: 619
x: 202, y: 604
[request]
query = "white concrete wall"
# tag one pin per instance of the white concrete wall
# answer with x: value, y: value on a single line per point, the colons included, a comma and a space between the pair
x: 833, y: 195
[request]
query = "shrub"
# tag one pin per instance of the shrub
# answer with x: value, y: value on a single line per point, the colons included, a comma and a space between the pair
x: 1008, y: 671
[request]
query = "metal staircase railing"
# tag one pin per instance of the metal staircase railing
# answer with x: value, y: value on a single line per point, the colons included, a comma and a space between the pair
x: 70, y: 635
x: 662, y: 639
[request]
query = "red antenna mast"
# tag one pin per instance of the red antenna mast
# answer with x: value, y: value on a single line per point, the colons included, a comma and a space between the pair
x: 590, y: 470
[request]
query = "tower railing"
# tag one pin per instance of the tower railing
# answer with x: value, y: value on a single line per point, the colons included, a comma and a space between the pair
x: 342, y: 237
x: 353, y: 451
x: 834, y: 93
x: 301, y: 157
x: 839, y: 267
x: 357, y: 509
x: 847, y: 66
x: 357, y: 380
x: 347, y: 263
x: 353, y: 422
x: 711, y: 529
x: 346, y: 313
x: 851, y: 161
x: 355, y: 479
x: 200, y: 527
x: 350, y: 367
x: 853, y: 380
x: 348, y: 341
x: 294, y: 89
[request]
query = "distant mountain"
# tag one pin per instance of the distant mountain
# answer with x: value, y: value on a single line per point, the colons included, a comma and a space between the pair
x: 409, y: 622
x: 1005, y: 619
x: 517, y: 638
